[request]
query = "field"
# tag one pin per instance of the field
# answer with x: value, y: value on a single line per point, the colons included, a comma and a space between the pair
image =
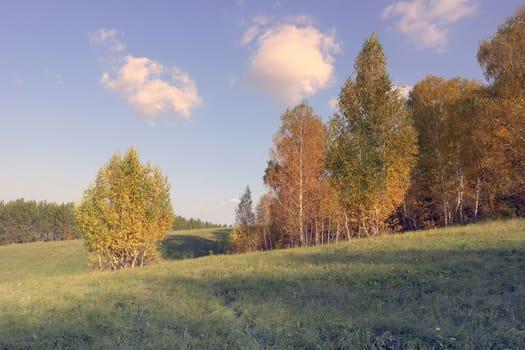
x: 456, y: 288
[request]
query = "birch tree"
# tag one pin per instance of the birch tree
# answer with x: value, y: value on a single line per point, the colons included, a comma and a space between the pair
x: 502, y: 58
x: 125, y: 213
x: 451, y: 152
x: 294, y: 172
x: 373, y: 143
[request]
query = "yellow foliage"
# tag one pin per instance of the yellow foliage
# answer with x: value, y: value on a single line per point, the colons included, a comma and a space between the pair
x: 125, y: 213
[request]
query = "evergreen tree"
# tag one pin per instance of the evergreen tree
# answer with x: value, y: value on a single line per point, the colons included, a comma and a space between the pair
x: 245, y: 236
x: 24, y: 221
x: 244, y: 215
x: 373, y: 143
x: 125, y: 213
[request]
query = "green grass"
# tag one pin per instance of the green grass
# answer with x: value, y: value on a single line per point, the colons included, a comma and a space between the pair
x: 42, y: 259
x: 194, y: 243
x: 456, y: 288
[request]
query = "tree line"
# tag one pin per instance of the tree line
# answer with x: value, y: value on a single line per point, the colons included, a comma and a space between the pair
x: 182, y: 223
x: 24, y: 221
x: 452, y: 153
x: 471, y: 162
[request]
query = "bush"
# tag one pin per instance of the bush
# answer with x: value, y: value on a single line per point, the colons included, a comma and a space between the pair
x: 125, y: 213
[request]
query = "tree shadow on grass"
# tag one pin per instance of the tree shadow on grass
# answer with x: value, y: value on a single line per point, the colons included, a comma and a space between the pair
x: 420, y: 299
x: 222, y: 235
x: 440, y: 299
x: 178, y: 247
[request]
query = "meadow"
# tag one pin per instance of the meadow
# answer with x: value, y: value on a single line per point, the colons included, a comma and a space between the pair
x: 453, y: 288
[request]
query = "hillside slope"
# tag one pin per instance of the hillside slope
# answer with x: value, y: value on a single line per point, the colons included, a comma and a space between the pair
x: 459, y: 288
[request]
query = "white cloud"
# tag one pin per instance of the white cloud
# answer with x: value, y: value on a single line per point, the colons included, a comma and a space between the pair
x: 234, y: 200
x: 261, y: 20
x: 403, y: 90
x: 147, y: 85
x: 427, y: 22
x: 108, y: 38
x: 138, y: 79
x: 249, y: 34
x: 332, y: 103
x: 290, y: 60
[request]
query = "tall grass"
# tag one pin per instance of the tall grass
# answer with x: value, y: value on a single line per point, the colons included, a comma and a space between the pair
x: 456, y: 288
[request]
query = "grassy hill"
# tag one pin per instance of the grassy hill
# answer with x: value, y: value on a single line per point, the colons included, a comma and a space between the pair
x: 187, y: 244
x: 456, y: 288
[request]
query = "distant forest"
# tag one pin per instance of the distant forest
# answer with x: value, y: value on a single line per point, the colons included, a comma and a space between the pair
x: 182, y: 223
x: 23, y: 221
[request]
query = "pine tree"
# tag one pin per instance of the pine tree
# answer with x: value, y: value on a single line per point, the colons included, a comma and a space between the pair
x: 125, y: 213
x: 373, y: 143
x: 243, y: 237
x: 244, y: 215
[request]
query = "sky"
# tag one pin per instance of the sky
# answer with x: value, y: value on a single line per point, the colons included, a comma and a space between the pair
x: 198, y: 87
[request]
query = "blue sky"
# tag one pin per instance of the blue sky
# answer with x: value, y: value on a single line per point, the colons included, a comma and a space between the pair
x: 198, y: 87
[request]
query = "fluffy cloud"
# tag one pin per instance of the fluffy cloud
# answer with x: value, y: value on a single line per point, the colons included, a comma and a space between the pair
x: 109, y: 38
x: 138, y: 79
x: 146, y: 84
x: 290, y: 60
x: 427, y: 22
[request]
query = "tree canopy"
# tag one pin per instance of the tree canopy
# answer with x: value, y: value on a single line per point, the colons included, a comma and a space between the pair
x: 295, y: 170
x: 125, y: 213
x: 502, y: 57
x: 373, y: 143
